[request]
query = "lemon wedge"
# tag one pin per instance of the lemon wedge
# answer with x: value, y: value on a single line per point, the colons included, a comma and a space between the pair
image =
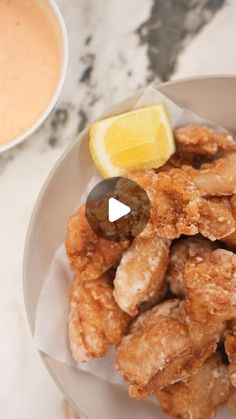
x: 138, y: 139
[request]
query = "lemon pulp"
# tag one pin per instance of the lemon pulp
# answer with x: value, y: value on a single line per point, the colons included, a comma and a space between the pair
x: 141, y: 138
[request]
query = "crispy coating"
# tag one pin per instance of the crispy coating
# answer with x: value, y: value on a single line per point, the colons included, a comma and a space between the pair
x: 141, y: 272
x: 143, y: 177
x: 216, y: 178
x: 230, y: 348
x: 163, y: 347
x: 210, y: 285
x: 203, y: 141
x: 231, y: 239
x: 95, y: 320
x: 178, y: 208
x: 180, y: 252
x: 216, y: 220
x: 174, y: 202
x: 201, y: 395
x: 89, y: 254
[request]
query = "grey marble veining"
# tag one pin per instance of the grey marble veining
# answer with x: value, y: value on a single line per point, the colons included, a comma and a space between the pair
x: 169, y: 28
x: 116, y: 47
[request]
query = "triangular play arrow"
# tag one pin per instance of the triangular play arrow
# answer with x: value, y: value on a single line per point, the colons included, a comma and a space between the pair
x: 116, y: 210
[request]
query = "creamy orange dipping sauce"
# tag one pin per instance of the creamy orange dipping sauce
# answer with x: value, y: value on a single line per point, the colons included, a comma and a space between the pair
x: 30, y: 64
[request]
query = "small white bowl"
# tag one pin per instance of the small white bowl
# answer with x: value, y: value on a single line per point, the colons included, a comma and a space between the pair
x: 210, y: 97
x: 51, y: 6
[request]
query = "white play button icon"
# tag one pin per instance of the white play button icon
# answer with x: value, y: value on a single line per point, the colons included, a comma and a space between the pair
x: 116, y: 210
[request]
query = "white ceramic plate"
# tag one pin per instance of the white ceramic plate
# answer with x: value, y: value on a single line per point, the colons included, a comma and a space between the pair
x: 50, y: 6
x: 211, y: 97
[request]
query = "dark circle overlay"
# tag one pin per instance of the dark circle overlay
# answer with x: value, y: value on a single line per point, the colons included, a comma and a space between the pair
x: 129, y: 193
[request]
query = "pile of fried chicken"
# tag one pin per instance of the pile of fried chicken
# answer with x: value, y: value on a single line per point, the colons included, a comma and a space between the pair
x: 167, y: 299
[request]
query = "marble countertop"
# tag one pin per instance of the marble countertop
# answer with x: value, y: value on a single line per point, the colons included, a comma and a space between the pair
x: 116, y: 47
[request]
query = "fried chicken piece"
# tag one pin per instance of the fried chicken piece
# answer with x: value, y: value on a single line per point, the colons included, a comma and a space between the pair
x: 230, y: 349
x: 216, y: 220
x: 216, y: 178
x: 163, y: 347
x: 203, y: 141
x: 95, y: 320
x: 141, y: 272
x: 143, y: 177
x: 180, y: 252
x: 174, y: 203
x: 89, y: 254
x: 201, y: 395
x: 231, y: 239
x: 210, y: 285
x: 177, y: 207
